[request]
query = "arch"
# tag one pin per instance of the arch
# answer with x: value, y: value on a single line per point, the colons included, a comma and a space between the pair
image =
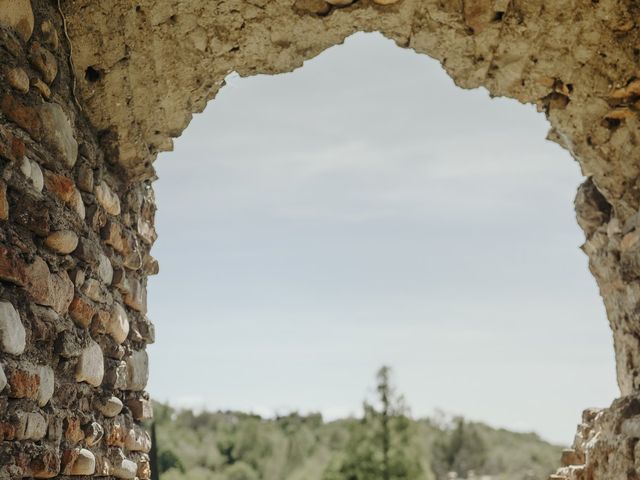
x: 140, y: 69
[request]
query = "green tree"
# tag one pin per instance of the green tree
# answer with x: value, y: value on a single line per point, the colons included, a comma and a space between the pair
x: 167, y: 460
x: 382, y: 446
x: 459, y: 450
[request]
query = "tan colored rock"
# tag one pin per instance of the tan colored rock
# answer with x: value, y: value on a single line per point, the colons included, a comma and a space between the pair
x: 137, y: 440
x: 385, y: 2
x: 77, y: 203
x: 18, y: 15
x: 44, y: 61
x: 110, y: 407
x: 62, y: 241
x: 42, y: 87
x: 90, y: 366
x: 18, y: 79
x: 107, y: 198
x: 119, y: 324
x: 50, y: 35
x: 340, y: 3
x: 141, y: 409
x: 85, y: 463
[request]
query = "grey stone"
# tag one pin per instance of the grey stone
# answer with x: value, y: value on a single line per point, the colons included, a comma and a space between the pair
x: 30, y: 426
x: 90, y: 366
x: 105, y: 270
x: 110, y: 407
x: 47, y: 385
x: 12, y: 333
x: 58, y: 133
x: 3, y: 378
x: 137, y: 370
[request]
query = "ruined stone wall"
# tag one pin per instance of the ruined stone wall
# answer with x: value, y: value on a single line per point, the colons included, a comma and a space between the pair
x: 74, y: 254
x: 76, y: 205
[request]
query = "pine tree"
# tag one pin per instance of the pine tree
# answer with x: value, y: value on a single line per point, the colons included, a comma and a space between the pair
x: 382, y: 446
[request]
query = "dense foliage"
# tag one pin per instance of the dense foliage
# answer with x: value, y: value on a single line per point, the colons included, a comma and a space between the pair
x: 385, y: 444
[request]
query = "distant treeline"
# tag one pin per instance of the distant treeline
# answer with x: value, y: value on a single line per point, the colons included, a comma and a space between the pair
x: 385, y: 444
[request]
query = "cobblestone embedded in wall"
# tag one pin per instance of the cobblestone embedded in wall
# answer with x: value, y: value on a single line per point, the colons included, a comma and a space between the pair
x: 74, y: 256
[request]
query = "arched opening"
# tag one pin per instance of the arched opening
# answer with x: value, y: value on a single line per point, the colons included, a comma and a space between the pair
x: 407, y: 222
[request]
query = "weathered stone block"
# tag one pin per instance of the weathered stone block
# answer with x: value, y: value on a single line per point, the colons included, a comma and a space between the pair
x: 137, y: 296
x: 116, y: 374
x: 58, y: 133
x: 81, y: 311
x: 44, y: 61
x: 107, y: 198
x: 18, y: 79
x: 105, y: 269
x: 62, y: 187
x: 85, y: 178
x: 141, y: 409
x: 47, y: 384
x: 90, y: 366
x: 24, y: 382
x: 12, y: 332
x: 85, y: 463
x: 110, y: 407
x: 30, y: 426
x: 122, y: 467
x: 137, y: 370
x: 119, y: 325
x: 52, y: 290
x: 62, y: 241
x: 137, y: 440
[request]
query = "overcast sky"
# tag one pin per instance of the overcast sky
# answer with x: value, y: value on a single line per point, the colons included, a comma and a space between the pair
x: 364, y: 210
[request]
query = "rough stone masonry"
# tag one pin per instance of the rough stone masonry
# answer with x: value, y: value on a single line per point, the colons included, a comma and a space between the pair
x: 91, y: 91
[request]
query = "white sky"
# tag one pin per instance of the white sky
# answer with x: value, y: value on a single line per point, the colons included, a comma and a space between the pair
x: 364, y: 210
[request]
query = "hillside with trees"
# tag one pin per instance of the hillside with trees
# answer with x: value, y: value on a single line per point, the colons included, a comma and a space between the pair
x: 385, y: 444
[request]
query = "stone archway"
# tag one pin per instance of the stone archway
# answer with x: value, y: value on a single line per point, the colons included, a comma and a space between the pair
x: 93, y: 91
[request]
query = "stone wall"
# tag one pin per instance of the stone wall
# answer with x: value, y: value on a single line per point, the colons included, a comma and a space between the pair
x: 74, y: 256
x: 92, y: 90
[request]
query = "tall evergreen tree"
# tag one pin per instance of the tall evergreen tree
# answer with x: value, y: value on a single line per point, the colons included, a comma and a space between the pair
x: 383, y: 445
